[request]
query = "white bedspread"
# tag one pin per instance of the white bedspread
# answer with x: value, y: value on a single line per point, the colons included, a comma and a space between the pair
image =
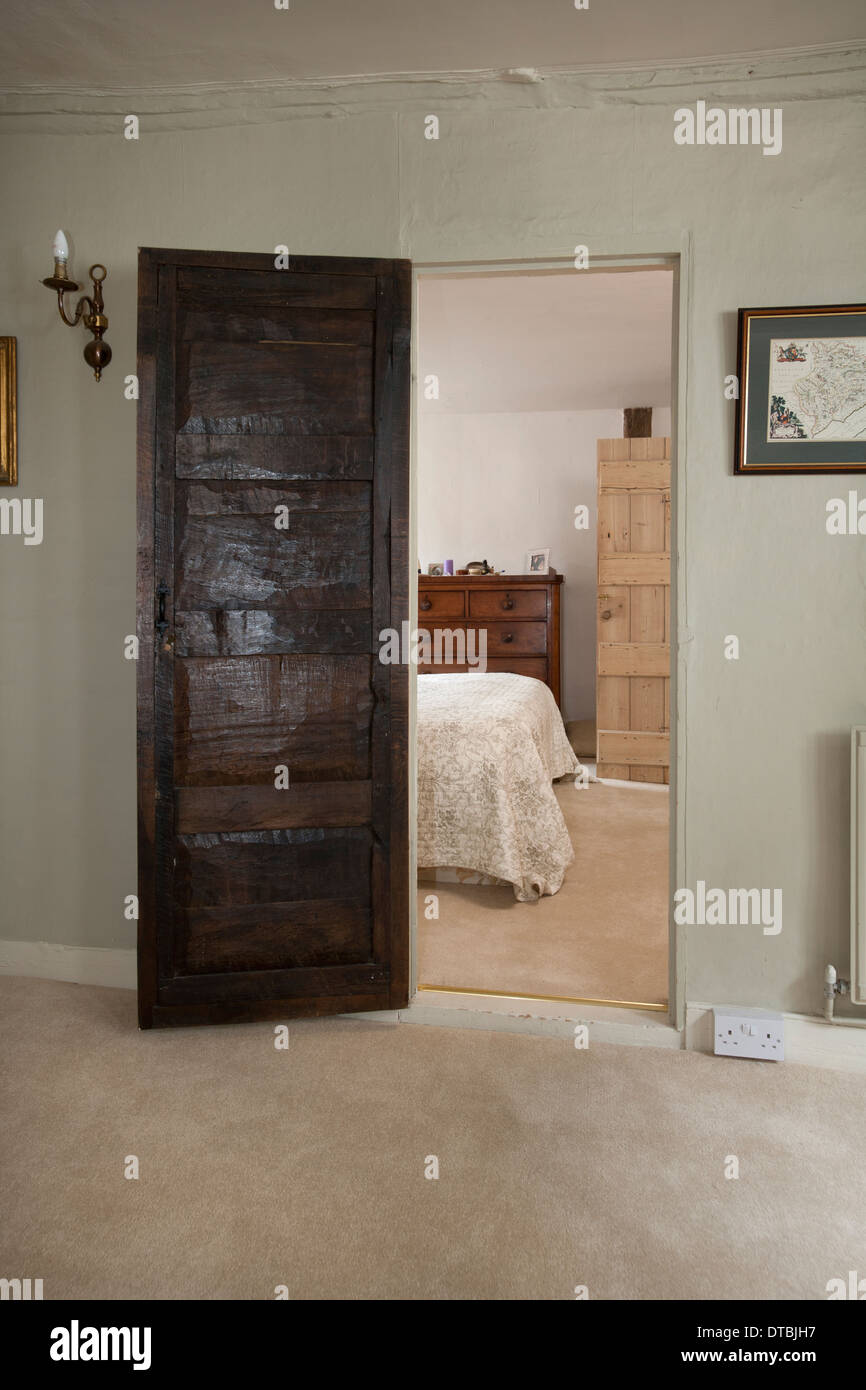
x: 488, y: 748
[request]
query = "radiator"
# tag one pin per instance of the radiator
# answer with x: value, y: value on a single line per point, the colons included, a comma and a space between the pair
x: 858, y: 864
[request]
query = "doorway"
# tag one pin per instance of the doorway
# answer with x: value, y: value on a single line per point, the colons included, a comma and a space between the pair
x: 521, y: 370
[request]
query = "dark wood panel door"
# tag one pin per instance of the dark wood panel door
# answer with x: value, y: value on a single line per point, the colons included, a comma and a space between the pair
x: 272, y: 551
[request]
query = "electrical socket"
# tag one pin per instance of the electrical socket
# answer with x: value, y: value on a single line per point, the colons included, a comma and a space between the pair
x: 740, y: 1032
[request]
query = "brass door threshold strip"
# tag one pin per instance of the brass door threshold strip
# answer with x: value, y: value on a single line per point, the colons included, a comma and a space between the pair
x: 542, y: 998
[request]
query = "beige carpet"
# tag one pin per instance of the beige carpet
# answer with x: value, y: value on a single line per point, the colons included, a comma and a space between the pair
x: 305, y: 1168
x: 604, y: 935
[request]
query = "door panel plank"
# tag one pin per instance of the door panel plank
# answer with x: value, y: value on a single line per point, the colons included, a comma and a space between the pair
x: 280, y: 985
x: 614, y: 614
x: 633, y: 659
x: 613, y: 450
x: 614, y: 701
x: 613, y: 523
x: 228, y: 562
x: 207, y: 285
x: 648, y: 610
x: 648, y: 705
x: 633, y: 569
x: 301, y: 804
x: 253, y: 632
x: 262, y: 866
x: 633, y: 476
x: 275, y: 325
x: 238, y: 718
x: 232, y: 453
x: 299, y: 934
x: 351, y: 995
x: 297, y: 388
x: 647, y: 530
x: 219, y: 497
x: 627, y: 747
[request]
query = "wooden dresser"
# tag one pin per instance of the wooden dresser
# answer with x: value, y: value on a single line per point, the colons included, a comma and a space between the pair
x: 520, y: 613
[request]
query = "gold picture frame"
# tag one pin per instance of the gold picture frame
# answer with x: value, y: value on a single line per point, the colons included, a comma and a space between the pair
x: 8, y: 412
x: 770, y: 435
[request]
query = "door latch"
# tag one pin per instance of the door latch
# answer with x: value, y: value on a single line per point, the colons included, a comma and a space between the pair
x: 161, y: 620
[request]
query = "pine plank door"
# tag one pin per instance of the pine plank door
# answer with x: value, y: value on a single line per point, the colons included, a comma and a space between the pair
x: 272, y: 550
x: 634, y: 576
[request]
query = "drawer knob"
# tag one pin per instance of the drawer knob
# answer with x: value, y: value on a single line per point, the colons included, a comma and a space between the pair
x: 425, y: 603
x: 508, y: 601
x: 508, y: 636
x: 605, y: 615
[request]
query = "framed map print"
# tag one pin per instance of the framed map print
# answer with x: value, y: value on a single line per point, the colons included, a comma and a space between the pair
x: 802, y: 383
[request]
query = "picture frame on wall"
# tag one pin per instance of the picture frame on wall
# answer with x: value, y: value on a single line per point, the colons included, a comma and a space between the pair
x: 801, y: 406
x: 8, y: 412
x: 538, y: 561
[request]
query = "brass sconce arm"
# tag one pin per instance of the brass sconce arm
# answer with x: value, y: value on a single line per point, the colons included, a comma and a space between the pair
x: 90, y: 310
x: 84, y: 301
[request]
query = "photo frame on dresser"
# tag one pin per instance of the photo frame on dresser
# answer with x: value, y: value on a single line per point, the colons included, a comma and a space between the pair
x: 801, y: 406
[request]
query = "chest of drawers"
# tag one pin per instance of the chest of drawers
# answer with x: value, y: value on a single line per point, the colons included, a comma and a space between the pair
x: 518, y: 612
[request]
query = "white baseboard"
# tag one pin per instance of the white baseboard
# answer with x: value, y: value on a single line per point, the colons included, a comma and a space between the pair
x: 808, y: 1041
x: 80, y: 965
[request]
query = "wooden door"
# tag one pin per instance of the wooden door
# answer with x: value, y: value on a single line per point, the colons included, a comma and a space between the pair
x: 634, y: 576
x: 273, y: 503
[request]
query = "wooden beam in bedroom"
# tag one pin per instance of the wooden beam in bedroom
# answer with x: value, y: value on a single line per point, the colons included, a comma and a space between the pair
x: 637, y: 422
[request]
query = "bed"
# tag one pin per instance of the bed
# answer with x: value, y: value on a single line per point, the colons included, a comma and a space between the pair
x: 489, y: 747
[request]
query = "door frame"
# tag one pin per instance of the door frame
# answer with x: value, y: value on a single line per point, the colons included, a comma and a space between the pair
x: 622, y: 254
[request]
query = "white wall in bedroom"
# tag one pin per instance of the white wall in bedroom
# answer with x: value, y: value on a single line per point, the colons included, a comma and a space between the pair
x: 492, y: 486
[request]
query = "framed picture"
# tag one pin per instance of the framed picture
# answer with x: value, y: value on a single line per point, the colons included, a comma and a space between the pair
x: 436, y: 570
x: 8, y: 412
x: 538, y: 561
x: 802, y: 390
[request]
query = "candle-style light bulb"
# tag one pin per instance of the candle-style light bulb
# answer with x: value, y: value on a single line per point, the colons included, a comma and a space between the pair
x: 60, y: 246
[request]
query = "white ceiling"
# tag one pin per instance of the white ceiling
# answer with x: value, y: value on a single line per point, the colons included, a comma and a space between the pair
x: 109, y: 44
x: 571, y: 341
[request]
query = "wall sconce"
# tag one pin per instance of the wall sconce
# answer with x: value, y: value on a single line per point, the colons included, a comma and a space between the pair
x: 89, y: 308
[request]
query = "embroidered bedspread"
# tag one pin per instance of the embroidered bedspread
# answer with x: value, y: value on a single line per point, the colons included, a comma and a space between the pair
x: 489, y: 746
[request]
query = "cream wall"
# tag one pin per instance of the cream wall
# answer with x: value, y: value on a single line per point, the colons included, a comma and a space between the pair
x: 518, y: 172
x: 494, y: 486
